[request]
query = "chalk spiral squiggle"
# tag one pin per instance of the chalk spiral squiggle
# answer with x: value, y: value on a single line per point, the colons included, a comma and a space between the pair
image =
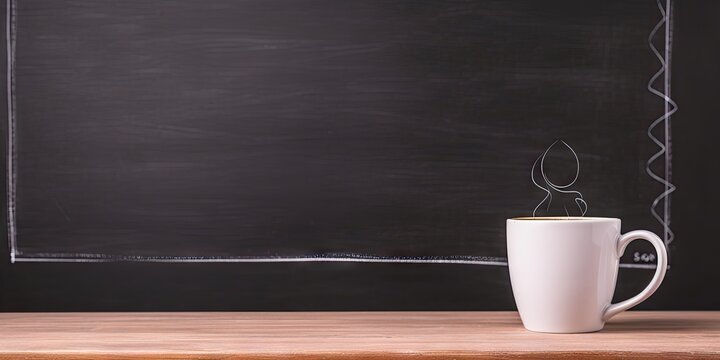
x: 579, y: 200
x: 671, y: 108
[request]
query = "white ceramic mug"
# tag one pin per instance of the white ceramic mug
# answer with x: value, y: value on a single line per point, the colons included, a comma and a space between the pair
x: 563, y: 271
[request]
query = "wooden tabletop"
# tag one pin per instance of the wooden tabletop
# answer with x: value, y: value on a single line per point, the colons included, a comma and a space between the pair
x: 348, y: 335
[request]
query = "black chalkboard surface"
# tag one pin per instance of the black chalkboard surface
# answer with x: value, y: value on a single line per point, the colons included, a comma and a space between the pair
x: 288, y: 155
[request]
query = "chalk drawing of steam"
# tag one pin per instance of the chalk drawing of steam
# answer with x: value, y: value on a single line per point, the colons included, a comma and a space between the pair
x: 549, y: 187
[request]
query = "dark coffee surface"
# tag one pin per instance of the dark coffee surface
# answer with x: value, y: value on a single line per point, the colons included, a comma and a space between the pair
x: 567, y: 219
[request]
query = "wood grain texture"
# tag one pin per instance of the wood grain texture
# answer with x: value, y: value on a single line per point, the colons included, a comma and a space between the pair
x: 356, y: 335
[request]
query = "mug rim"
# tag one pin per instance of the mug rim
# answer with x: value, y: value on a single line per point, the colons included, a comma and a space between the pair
x: 561, y: 219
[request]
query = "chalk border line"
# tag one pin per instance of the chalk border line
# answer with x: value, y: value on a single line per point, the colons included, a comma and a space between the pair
x: 18, y: 256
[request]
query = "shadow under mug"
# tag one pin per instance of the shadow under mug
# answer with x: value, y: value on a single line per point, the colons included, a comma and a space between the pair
x: 563, y: 271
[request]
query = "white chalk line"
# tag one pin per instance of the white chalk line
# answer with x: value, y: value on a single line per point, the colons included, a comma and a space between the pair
x: 358, y: 258
x: 579, y: 200
x: 11, y: 150
x: 460, y: 260
x: 670, y: 109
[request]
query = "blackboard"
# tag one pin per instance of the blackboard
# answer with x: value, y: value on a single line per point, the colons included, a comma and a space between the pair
x: 279, y: 155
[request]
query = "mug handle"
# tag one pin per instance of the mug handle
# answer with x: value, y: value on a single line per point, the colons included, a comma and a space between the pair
x: 623, y: 242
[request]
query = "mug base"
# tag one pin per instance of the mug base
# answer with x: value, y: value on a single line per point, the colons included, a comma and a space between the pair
x: 562, y: 331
